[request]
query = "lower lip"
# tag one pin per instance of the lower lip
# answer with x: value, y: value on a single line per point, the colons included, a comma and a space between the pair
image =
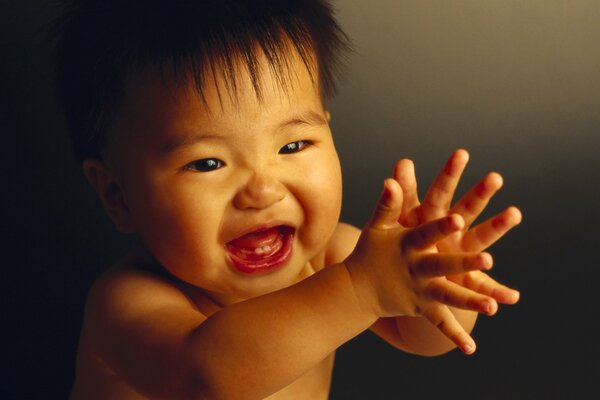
x: 269, y: 264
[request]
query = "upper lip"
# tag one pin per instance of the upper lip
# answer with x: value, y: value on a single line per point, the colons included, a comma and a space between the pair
x: 260, y: 227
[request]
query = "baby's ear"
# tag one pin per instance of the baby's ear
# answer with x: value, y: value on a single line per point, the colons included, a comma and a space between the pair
x: 111, y: 195
x: 328, y: 116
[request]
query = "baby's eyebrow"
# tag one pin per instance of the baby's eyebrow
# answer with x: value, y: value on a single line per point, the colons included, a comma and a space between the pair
x: 304, y: 118
x: 308, y: 117
x: 187, y: 140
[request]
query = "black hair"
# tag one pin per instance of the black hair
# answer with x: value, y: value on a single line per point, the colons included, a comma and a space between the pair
x: 100, y: 42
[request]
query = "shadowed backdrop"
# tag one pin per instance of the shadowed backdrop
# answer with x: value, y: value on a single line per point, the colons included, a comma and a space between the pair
x: 516, y: 83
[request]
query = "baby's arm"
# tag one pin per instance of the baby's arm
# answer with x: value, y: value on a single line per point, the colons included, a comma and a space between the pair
x: 148, y: 332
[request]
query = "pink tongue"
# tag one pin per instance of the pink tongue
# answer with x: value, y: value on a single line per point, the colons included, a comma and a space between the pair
x: 254, y: 240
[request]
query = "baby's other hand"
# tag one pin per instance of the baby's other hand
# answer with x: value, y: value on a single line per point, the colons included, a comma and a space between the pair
x: 437, y: 203
x: 396, y: 271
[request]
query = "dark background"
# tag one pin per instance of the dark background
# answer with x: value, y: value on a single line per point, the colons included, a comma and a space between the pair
x: 517, y: 83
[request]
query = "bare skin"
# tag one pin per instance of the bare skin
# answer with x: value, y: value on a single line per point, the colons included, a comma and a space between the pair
x: 176, y: 320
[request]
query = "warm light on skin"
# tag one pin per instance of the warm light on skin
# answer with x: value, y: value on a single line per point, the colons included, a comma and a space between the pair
x: 185, y: 217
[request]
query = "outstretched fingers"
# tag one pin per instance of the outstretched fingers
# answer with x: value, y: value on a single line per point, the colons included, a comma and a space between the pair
x: 476, y: 199
x: 429, y: 233
x: 454, y: 295
x: 439, y: 196
x: 443, y: 319
x: 404, y: 174
x: 485, y: 285
x: 388, y: 209
x: 443, y: 264
x: 485, y: 234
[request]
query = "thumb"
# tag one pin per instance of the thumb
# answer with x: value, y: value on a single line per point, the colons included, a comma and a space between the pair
x: 389, y: 206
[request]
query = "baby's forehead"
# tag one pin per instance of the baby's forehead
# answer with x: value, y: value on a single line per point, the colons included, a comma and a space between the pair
x: 230, y: 76
x: 221, y: 86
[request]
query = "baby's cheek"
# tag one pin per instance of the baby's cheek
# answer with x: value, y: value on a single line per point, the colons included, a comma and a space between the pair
x: 324, y: 207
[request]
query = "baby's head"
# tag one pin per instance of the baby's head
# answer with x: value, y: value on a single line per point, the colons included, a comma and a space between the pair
x: 202, y: 126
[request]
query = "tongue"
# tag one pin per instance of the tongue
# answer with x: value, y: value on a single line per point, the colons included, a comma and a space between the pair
x: 254, y: 240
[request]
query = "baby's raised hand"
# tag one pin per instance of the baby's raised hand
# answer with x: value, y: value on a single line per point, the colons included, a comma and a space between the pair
x: 437, y: 203
x: 396, y: 271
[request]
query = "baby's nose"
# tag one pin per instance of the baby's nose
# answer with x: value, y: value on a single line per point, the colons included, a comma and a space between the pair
x: 261, y: 191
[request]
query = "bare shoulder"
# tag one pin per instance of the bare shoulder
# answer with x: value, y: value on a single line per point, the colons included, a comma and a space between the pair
x: 128, y: 289
x: 136, y: 322
x: 125, y: 303
x: 342, y: 243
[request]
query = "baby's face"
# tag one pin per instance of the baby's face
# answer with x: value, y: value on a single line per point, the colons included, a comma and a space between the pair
x: 237, y: 198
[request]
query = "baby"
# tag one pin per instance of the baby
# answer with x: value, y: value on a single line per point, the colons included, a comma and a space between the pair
x: 203, y: 128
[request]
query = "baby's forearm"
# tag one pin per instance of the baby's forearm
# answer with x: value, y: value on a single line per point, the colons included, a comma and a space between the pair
x: 254, y: 348
x: 418, y: 336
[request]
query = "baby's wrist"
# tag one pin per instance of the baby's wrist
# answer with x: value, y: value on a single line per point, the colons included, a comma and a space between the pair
x: 363, y: 289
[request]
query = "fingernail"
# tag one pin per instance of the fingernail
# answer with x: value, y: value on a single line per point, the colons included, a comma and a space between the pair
x: 516, y: 296
x: 486, y: 261
x: 486, y: 307
x: 387, y: 193
x: 468, y: 348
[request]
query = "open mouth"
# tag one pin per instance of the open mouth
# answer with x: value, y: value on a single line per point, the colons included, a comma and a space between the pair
x: 261, y: 250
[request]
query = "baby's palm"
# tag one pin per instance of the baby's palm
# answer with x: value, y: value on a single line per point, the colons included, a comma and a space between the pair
x: 437, y: 204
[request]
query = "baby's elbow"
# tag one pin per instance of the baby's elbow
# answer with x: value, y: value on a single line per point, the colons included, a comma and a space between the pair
x: 436, y: 352
x: 426, y: 349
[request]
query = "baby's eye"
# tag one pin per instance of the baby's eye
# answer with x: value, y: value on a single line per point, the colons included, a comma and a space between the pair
x: 206, y: 164
x: 294, y: 147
